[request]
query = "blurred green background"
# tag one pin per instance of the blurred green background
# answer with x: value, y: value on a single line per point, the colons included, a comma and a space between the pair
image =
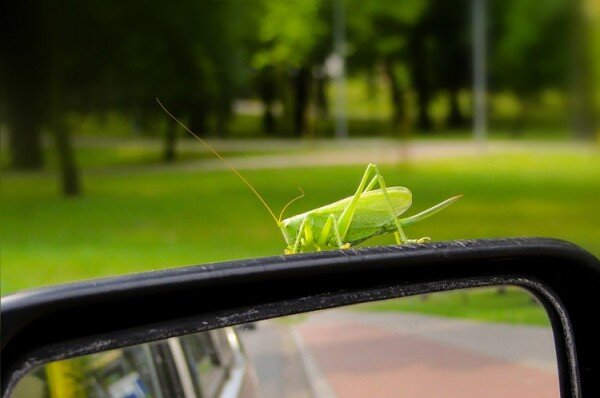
x: 97, y: 181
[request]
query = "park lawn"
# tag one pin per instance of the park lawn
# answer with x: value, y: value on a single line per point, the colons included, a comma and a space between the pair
x: 514, y: 305
x: 138, y: 220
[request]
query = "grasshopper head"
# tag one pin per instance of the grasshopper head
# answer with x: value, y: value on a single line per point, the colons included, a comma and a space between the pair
x: 289, y: 229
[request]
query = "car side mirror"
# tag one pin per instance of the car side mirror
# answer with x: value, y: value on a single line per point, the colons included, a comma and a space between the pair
x: 69, y: 321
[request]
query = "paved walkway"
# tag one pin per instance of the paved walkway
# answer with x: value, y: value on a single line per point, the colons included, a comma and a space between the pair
x: 400, y: 355
x: 277, y: 361
x: 354, y: 152
x: 293, y: 153
x: 527, y: 345
x: 344, y: 353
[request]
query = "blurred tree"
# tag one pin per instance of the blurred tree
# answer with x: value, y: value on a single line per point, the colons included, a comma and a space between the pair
x: 48, y: 72
x: 449, y: 24
x: 583, y: 68
x: 421, y: 68
x: 158, y: 53
x: 380, y: 36
x: 198, y: 57
x: 529, y: 47
x: 267, y: 92
x: 94, y: 57
x: 439, y: 57
x: 291, y: 37
x: 593, y: 8
x: 190, y: 54
x: 22, y: 78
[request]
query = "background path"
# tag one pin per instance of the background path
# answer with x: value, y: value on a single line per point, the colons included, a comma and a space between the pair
x: 293, y: 153
x: 343, y: 353
x: 276, y: 359
x: 528, y: 345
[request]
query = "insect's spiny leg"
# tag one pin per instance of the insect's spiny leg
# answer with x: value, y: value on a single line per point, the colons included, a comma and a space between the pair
x: 331, y: 224
x: 400, y: 236
x: 308, y: 232
x: 371, y: 184
x: 325, y: 231
x: 338, y: 237
x: 348, y: 213
x: 298, y: 237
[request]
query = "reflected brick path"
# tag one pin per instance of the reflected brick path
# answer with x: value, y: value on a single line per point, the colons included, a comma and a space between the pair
x: 362, y: 360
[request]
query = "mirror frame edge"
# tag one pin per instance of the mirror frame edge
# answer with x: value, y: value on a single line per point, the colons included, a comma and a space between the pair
x: 461, y: 255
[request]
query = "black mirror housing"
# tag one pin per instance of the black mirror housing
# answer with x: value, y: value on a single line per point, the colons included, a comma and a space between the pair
x: 70, y: 320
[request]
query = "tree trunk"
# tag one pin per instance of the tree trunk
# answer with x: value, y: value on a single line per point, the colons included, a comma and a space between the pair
x: 301, y: 91
x: 520, y: 121
x: 455, y: 118
x: 169, y: 153
x: 267, y: 91
x: 399, y: 115
x: 198, y: 121
x: 25, y: 141
x: 321, y: 97
x: 57, y: 104
x: 584, y: 119
x: 23, y: 78
x: 420, y: 77
x: 70, y: 181
x: 397, y: 96
x: 221, y: 124
x: 423, y: 118
x: 268, y: 119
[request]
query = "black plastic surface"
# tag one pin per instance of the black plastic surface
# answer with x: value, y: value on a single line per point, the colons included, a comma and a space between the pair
x: 75, y: 319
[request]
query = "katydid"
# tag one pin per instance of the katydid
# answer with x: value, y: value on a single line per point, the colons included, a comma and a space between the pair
x: 347, y: 222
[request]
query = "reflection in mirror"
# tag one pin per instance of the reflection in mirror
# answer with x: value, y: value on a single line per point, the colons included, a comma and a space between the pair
x: 484, y: 342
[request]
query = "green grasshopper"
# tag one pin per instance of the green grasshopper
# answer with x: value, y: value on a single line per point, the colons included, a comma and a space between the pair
x: 347, y: 222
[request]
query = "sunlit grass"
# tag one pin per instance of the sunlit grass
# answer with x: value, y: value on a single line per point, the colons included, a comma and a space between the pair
x: 137, y: 220
x: 513, y: 305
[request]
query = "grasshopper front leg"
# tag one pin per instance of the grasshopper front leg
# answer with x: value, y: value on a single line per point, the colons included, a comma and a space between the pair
x: 304, y: 237
x: 299, y: 236
x: 331, y: 225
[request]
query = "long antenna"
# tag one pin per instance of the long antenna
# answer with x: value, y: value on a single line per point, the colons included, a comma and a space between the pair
x: 229, y: 165
x: 290, y: 202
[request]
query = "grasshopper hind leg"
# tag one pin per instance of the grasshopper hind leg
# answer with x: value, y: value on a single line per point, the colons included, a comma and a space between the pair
x: 366, y: 184
x: 399, y: 232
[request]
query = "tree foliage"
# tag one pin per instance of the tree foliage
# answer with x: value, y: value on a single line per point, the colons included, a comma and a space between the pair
x: 199, y: 57
x: 530, y: 47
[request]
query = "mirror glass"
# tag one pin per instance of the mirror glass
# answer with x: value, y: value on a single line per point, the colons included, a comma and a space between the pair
x: 484, y: 342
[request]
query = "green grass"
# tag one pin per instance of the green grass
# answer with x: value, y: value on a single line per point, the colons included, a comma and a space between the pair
x: 515, y: 305
x: 138, y: 220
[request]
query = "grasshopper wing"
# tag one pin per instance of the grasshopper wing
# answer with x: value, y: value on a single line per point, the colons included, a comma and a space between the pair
x: 373, y: 210
x: 371, y: 215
